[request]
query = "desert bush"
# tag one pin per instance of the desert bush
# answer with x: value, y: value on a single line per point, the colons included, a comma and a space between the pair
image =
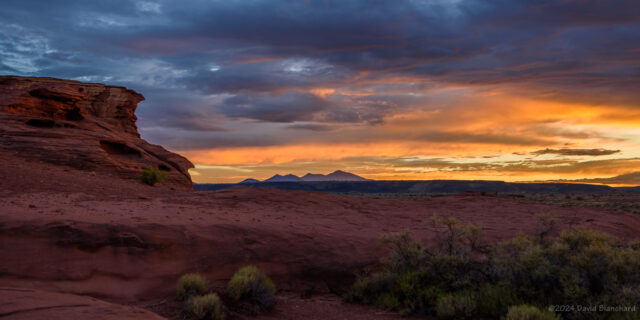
x: 492, y: 300
x: 454, y: 239
x: 546, y: 224
x: 525, y: 312
x: 578, y: 268
x: 208, y: 306
x: 367, y: 288
x: 406, y: 253
x: 453, y: 280
x: 252, y: 288
x: 456, y: 306
x: 412, y: 278
x: 523, y: 265
x: 151, y: 176
x: 190, y: 284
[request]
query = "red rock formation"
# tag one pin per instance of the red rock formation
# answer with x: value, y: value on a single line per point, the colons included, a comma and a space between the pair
x: 82, y: 125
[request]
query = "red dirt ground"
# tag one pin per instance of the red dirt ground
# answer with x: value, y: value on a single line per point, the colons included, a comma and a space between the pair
x: 69, y: 231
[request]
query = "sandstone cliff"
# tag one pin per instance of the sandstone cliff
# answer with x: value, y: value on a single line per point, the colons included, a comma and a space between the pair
x: 86, y: 126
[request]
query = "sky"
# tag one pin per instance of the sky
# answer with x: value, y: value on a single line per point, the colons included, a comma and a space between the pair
x: 508, y: 90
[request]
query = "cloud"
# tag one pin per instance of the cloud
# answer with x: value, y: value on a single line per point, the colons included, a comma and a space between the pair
x: 311, y: 126
x: 287, y: 107
x: 576, y: 152
x: 481, y: 137
x: 628, y: 179
x: 148, y: 6
x: 276, y: 76
x: 300, y: 106
x: 424, y: 74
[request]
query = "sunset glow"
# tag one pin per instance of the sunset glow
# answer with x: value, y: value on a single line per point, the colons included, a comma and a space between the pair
x: 497, y: 137
x: 496, y: 90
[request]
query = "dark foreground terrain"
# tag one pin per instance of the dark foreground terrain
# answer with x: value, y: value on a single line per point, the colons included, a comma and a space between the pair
x: 423, y: 187
x: 127, y: 243
x: 626, y: 199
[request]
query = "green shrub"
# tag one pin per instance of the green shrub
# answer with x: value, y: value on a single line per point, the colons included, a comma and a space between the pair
x: 252, y: 288
x: 525, y: 312
x: 454, y: 239
x: 208, y: 306
x: 453, y: 280
x: 578, y: 268
x: 456, y: 306
x: 406, y: 253
x: 190, y: 284
x: 389, y: 301
x: 412, y: 279
x: 151, y: 176
x: 367, y: 288
x: 528, y: 271
x: 493, y: 300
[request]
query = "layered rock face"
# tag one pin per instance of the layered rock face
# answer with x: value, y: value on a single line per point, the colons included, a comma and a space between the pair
x: 86, y: 126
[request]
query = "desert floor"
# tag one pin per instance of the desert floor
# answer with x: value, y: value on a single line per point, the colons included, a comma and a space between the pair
x: 73, y: 241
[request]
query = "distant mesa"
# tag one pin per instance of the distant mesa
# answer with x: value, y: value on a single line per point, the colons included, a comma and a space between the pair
x: 627, y: 179
x: 337, y: 175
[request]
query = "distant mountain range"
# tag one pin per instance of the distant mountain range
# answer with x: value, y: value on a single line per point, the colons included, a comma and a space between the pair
x: 629, y: 179
x: 424, y: 187
x: 345, y: 182
x: 337, y: 175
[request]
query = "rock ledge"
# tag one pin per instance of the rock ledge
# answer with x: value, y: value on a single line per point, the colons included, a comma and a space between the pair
x: 86, y: 126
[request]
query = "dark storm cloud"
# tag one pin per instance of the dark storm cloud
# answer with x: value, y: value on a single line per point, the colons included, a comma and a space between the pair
x: 576, y: 152
x: 359, y: 35
x: 300, y: 106
x: 270, y: 76
x: 175, y: 111
x: 312, y: 127
x: 287, y: 107
x: 185, y: 140
x: 261, y: 60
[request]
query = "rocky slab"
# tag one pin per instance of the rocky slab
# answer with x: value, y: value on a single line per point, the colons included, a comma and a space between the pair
x: 86, y: 126
x: 30, y: 304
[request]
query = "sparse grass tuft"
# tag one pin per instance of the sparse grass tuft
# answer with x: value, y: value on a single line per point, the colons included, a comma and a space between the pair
x: 253, y: 289
x: 190, y: 284
x: 208, y: 306
x: 151, y: 176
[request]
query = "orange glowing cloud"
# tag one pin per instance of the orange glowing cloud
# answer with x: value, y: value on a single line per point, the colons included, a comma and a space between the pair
x: 500, y: 132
